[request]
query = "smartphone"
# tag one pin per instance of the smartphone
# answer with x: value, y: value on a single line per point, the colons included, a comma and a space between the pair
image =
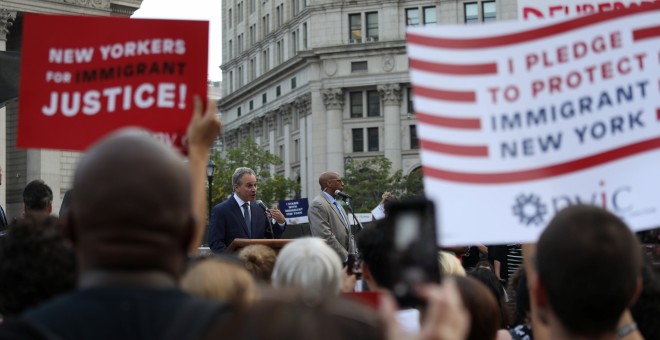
x: 411, y: 232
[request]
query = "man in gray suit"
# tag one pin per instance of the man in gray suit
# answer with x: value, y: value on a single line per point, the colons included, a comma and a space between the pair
x: 327, y: 218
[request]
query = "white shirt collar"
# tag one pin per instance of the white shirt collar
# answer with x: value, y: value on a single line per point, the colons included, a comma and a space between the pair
x: 240, y: 201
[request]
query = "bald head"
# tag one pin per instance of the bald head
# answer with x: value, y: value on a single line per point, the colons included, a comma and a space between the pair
x: 325, y: 177
x: 132, y: 207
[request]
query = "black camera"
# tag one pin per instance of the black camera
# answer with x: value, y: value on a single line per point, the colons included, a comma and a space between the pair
x: 410, y: 230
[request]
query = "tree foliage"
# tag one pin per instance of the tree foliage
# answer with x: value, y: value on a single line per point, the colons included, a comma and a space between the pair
x: 367, y: 180
x: 270, y: 188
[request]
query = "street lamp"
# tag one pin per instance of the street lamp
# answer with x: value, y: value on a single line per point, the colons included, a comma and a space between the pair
x: 210, y: 171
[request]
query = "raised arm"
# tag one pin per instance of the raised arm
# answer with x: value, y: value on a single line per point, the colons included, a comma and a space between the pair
x: 203, y: 129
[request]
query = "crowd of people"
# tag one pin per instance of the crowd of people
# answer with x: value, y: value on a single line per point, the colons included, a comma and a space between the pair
x: 121, y: 263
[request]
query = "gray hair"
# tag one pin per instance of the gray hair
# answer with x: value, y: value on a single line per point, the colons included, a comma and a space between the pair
x: 237, y: 177
x: 309, y: 264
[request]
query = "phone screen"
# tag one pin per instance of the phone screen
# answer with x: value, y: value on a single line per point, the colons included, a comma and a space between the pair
x: 412, y: 233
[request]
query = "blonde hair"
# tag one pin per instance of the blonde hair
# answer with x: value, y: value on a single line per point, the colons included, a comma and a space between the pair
x: 449, y: 264
x: 217, y: 279
x: 259, y: 261
x: 308, y: 264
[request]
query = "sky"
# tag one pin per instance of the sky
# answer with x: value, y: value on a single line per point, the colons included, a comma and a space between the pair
x: 195, y: 10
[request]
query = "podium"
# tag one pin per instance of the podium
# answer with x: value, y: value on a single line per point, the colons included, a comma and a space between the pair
x: 240, y: 243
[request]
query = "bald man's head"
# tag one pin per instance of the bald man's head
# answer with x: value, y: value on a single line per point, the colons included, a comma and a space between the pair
x: 132, y: 207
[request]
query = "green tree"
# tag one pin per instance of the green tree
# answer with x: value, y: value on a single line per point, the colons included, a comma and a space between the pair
x: 367, y: 181
x: 250, y: 155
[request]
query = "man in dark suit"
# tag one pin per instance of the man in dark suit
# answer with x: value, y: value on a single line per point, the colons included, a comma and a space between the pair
x: 240, y: 217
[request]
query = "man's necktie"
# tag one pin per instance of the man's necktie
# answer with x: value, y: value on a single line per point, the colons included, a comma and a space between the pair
x: 248, y: 221
x: 343, y: 217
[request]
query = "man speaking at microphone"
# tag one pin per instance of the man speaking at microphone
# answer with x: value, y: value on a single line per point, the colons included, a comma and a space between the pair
x: 240, y: 216
x: 327, y: 218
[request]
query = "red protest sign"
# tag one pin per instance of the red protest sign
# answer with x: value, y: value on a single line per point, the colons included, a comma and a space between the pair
x: 112, y: 73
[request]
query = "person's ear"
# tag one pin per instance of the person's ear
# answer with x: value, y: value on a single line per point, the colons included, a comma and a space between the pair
x: 24, y: 211
x: 50, y: 207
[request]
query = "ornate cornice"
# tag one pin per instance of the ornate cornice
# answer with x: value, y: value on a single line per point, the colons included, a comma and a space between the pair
x: 303, y: 104
x: 390, y: 94
x: 333, y: 98
x: 101, y: 4
x: 270, y: 119
x: 257, y: 126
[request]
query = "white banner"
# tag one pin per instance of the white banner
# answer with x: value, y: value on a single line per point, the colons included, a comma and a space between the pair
x: 548, y: 9
x: 518, y: 120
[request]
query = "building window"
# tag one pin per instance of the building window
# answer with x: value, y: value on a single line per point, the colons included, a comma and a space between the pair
x: 264, y: 30
x: 278, y: 16
x: 293, y: 83
x: 304, y: 28
x: 251, y: 36
x: 471, y: 13
x: 231, y: 49
x: 238, y: 111
x: 359, y: 66
x: 355, y: 27
x: 251, y: 105
x: 240, y: 76
x: 360, y: 98
x: 264, y: 98
x: 281, y: 151
x: 278, y: 91
x: 239, y: 10
x: 252, y: 71
x: 294, y: 43
x: 372, y: 26
x: 489, y: 11
x: 411, y: 108
x: 430, y: 15
x: 279, y: 52
x: 231, y: 81
x: 240, y: 43
x: 251, y: 5
x: 356, y: 105
x: 296, y: 150
x: 412, y: 16
x: 414, y: 142
x: 229, y: 18
x: 373, y: 104
x: 372, y: 138
x: 266, y: 60
x: 358, y: 140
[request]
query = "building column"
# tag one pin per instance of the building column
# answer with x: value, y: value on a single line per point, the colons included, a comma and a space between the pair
x: 6, y: 18
x: 270, y: 118
x: 303, y: 104
x: 257, y: 127
x: 285, y: 113
x: 391, y: 96
x: 334, y: 104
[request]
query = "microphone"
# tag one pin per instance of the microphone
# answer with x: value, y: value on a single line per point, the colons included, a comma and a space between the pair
x: 342, y: 194
x: 262, y: 205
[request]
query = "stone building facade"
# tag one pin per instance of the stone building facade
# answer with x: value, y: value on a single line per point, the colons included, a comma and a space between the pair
x: 321, y: 82
x: 20, y: 166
